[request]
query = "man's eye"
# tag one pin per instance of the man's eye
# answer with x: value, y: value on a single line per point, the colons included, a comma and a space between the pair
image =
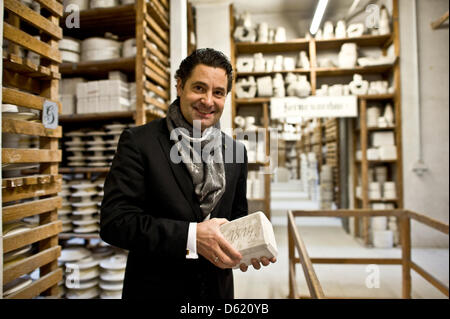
x: 198, y: 88
x: 220, y: 93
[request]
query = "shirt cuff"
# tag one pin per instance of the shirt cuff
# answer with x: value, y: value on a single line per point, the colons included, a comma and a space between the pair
x: 191, y: 247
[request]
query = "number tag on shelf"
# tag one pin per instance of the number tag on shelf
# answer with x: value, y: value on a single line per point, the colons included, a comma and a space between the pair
x: 50, y: 115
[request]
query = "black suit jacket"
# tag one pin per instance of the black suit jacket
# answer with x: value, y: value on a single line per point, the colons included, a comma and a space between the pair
x: 148, y: 204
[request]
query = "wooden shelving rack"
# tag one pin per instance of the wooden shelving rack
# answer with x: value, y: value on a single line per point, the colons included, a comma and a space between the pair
x: 149, y: 23
x: 361, y: 167
x: 28, y: 85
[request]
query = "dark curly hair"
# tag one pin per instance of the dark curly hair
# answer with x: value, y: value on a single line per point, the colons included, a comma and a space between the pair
x: 209, y: 57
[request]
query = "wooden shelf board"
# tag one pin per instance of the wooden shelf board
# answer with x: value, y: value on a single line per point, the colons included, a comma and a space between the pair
x: 391, y: 200
x: 360, y: 70
x: 375, y: 129
x: 255, y: 47
x: 362, y: 41
x: 301, y: 71
x: 98, y: 67
x: 68, y: 170
x: 96, y: 116
x: 378, y: 161
x: 256, y: 199
x: 256, y: 100
x: 377, y: 96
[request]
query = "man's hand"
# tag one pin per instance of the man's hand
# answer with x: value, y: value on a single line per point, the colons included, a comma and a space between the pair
x: 257, y: 264
x: 213, y: 246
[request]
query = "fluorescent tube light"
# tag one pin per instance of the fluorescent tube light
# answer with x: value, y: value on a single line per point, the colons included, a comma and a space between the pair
x: 318, y: 15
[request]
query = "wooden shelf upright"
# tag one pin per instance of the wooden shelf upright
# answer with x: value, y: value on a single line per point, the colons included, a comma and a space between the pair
x: 28, y: 85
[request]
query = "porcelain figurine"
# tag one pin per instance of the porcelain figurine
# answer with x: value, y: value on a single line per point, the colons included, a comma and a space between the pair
x: 246, y: 88
x: 389, y: 114
x: 358, y: 86
x: 341, y: 29
x: 243, y: 34
x: 319, y: 35
x: 328, y: 30
x: 348, y: 55
x: 259, y: 62
x: 290, y: 78
x: 384, y: 27
x: 263, y: 32
x: 271, y: 37
x: 323, y: 91
x: 346, y: 89
x: 264, y: 85
x: 288, y: 64
x: 280, y: 35
x: 278, y: 65
x: 269, y: 65
x: 301, y: 87
x: 244, y: 64
x: 303, y: 60
x: 355, y: 30
x: 278, y: 86
x: 246, y: 20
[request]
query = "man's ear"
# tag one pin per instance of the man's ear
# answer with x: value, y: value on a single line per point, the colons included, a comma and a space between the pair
x: 179, y: 87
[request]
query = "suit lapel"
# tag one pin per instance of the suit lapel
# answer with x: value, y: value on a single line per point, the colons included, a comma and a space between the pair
x: 182, y: 177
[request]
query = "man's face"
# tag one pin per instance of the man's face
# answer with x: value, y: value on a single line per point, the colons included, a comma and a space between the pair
x: 203, y: 96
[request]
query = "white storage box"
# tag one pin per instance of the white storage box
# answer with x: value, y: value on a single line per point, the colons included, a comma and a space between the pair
x: 388, y: 152
x: 383, y: 138
x: 252, y: 236
x: 68, y: 104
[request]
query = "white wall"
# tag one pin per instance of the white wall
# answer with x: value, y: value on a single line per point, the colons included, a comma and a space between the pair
x: 213, y: 31
x: 427, y: 194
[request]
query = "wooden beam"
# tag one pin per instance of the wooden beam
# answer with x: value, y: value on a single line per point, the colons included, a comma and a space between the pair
x: 38, y: 286
x: 432, y: 280
x: 31, y: 263
x: 156, y: 77
x: 164, y: 35
x: 164, y: 47
x: 22, y: 210
x: 19, y: 155
x: 348, y: 213
x: 442, y: 227
x: 436, y: 24
x: 29, y: 128
x: 155, y: 89
x: 29, y: 42
x: 30, y: 191
x: 34, y: 18
x: 11, y: 242
x: 405, y: 235
x: 53, y: 6
x: 19, y: 98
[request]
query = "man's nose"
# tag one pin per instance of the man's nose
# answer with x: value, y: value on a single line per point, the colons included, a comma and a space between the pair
x: 207, y: 99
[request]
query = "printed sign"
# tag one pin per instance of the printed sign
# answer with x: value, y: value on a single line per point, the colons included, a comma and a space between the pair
x: 50, y: 114
x: 314, y: 106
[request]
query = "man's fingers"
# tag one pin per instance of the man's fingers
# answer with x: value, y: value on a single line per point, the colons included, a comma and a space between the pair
x: 265, y: 261
x: 256, y: 264
x: 221, y: 221
x: 273, y: 259
x: 229, y: 250
x: 243, y: 267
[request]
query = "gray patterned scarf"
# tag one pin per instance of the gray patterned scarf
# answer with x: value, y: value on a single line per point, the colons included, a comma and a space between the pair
x: 202, y: 154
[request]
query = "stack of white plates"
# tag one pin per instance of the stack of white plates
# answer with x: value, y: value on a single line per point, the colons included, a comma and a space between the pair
x: 70, y: 50
x: 96, y: 146
x: 17, y: 255
x: 81, y: 4
x: 129, y: 48
x: 95, y: 49
x: 112, y: 276
x: 81, y: 277
x: 75, y: 145
x: 85, y: 211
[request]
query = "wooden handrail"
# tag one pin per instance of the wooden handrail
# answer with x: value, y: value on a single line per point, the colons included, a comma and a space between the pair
x: 404, y: 216
x: 311, y: 278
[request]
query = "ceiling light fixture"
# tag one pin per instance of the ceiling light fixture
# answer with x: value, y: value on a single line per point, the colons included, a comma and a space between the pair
x: 318, y: 15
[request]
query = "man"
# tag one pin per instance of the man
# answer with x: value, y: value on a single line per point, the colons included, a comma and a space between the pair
x: 164, y: 206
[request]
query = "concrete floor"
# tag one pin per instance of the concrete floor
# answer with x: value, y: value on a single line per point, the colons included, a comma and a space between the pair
x: 325, y: 237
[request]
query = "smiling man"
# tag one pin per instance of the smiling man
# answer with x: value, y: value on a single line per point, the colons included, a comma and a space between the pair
x: 164, y: 206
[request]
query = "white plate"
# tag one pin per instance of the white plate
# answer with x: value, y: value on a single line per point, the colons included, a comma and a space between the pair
x: 82, y: 185
x: 17, y: 252
x: 85, y: 263
x: 96, y: 148
x: 15, y: 228
x: 82, y: 275
x: 95, y: 133
x: 113, y: 275
x: 18, y: 166
x: 84, y: 222
x: 74, y: 143
x: 84, y: 194
x: 85, y: 204
x: 16, y: 285
x: 115, y: 262
x: 76, y: 164
x: 67, y: 228
x: 74, y: 254
x: 102, y: 252
x: 97, y: 158
x: 98, y: 164
x: 75, y: 133
x: 87, y: 229
x: 75, y: 149
x: 115, y: 286
x: 111, y: 294
x: 115, y: 132
x: 9, y: 108
x: 95, y: 142
x: 114, y: 127
x: 83, y: 293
